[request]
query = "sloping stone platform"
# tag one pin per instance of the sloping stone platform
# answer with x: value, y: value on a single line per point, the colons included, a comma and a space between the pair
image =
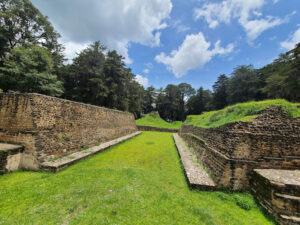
x: 196, y: 176
x: 10, y: 157
x: 278, y: 191
x: 68, y: 160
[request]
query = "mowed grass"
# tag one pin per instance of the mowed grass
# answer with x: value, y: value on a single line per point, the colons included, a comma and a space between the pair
x: 240, y: 112
x: 153, y: 120
x: 137, y: 182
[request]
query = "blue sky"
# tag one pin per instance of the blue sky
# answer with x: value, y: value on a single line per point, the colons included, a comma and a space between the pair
x: 174, y: 41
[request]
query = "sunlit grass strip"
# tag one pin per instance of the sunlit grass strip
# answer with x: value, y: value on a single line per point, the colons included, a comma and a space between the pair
x: 137, y: 182
x: 153, y: 120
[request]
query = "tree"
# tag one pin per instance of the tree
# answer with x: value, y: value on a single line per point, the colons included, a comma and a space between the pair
x: 283, y: 76
x: 200, y: 102
x: 29, y: 69
x: 149, y: 99
x: 244, y: 85
x: 20, y: 24
x: 136, y: 96
x: 219, y: 92
x: 118, y: 78
x: 85, y: 80
x: 186, y: 91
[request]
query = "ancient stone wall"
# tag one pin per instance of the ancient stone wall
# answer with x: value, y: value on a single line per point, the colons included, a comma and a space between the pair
x: 278, y: 191
x: 232, y: 151
x: 50, y: 127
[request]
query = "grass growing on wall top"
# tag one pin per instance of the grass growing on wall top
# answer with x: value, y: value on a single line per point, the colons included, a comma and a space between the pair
x: 153, y: 120
x: 137, y: 182
x: 240, y: 112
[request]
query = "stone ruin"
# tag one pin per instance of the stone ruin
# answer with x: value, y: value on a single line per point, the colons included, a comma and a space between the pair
x: 44, y: 128
x: 240, y: 155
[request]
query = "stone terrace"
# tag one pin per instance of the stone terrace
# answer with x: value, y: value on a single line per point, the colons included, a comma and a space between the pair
x: 278, y: 191
x: 196, y: 176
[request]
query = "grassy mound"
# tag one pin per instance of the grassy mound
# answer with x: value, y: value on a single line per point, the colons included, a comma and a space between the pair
x: 137, y: 182
x: 153, y: 120
x: 240, y: 112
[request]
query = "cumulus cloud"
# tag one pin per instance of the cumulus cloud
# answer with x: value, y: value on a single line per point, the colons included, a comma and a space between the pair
x: 194, y: 52
x: 146, y: 71
x: 116, y: 23
x: 72, y: 49
x: 247, y: 12
x: 291, y: 42
x: 142, y: 80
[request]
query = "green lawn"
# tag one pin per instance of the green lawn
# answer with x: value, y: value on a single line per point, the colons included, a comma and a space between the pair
x: 240, y: 112
x: 137, y: 182
x: 153, y: 120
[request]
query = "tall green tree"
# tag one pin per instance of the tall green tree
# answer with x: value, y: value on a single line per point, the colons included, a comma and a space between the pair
x: 219, y: 92
x: 136, y: 97
x: 21, y: 23
x: 118, y: 78
x: 85, y: 80
x: 29, y: 69
x: 244, y: 85
x: 283, y: 76
x: 186, y: 91
x: 200, y: 102
x: 149, y: 99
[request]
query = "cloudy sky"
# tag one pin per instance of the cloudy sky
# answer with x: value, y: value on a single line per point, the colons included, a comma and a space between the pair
x: 174, y: 41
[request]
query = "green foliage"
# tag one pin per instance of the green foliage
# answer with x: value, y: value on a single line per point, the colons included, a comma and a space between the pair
x: 101, y: 78
x: 29, y: 69
x: 200, y: 102
x: 240, y: 112
x: 153, y: 120
x: 21, y: 24
x: 132, y: 183
x: 171, y: 101
x: 220, y: 92
x: 283, y: 76
x: 244, y: 202
x: 149, y: 99
x: 244, y: 85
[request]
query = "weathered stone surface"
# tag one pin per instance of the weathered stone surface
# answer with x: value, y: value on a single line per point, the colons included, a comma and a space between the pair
x: 59, y: 164
x: 232, y: 151
x: 147, y: 128
x: 10, y: 157
x: 50, y: 127
x: 196, y: 176
x: 278, y: 191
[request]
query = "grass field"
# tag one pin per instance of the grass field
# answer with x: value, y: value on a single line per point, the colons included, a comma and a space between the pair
x: 137, y: 182
x: 240, y: 112
x: 153, y: 120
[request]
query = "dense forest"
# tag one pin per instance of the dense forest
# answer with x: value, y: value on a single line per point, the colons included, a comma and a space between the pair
x: 32, y: 60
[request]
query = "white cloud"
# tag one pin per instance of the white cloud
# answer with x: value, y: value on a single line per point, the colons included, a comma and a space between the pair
x: 72, y: 49
x: 291, y: 42
x: 194, y: 52
x: 141, y: 80
x: 146, y: 71
x: 116, y: 23
x: 247, y: 12
x: 177, y: 24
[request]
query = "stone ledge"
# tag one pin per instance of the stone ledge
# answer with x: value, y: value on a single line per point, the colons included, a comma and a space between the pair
x: 159, y: 129
x: 9, y: 147
x: 290, y: 219
x: 68, y: 160
x: 196, y: 176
